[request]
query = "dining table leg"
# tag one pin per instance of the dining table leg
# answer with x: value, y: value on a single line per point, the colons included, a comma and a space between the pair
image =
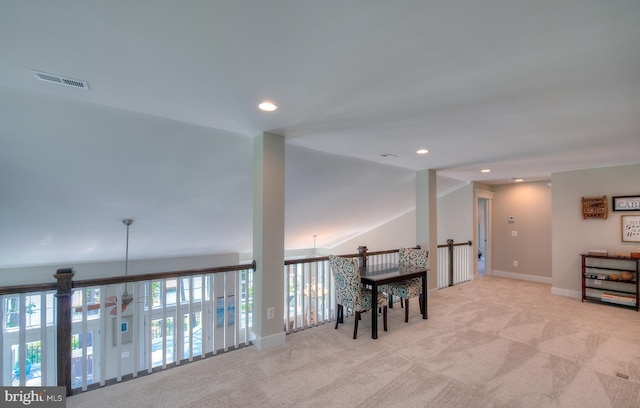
x: 374, y: 310
x: 424, y: 296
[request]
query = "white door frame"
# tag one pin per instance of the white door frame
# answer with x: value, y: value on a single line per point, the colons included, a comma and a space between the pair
x: 488, y: 196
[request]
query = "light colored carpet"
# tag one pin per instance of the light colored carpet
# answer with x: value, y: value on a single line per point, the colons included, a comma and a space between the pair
x: 492, y: 342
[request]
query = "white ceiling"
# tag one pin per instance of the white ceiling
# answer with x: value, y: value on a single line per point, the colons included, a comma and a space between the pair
x: 164, y: 134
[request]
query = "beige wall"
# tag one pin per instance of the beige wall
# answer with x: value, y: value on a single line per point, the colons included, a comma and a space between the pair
x: 530, y: 205
x: 571, y: 235
x: 455, y: 221
x: 397, y: 233
x: 455, y: 215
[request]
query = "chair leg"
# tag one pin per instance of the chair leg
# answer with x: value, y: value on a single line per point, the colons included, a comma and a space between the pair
x: 384, y: 317
x: 406, y: 311
x: 421, y: 306
x: 390, y: 301
x: 338, y: 314
x: 401, y: 302
x: 355, y: 325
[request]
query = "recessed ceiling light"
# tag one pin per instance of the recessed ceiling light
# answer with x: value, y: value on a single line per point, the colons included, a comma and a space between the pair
x: 518, y: 180
x: 422, y: 151
x: 267, y: 106
x: 485, y: 171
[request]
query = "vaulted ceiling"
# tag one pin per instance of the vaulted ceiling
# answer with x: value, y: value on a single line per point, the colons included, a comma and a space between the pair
x: 164, y: 132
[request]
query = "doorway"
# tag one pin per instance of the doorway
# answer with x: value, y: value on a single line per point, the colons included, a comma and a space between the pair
x: 483, y: 235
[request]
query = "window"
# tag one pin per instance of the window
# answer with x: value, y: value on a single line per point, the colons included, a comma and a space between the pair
x: 93, y: 304
x: 76, y: 359
x: 32, y: 308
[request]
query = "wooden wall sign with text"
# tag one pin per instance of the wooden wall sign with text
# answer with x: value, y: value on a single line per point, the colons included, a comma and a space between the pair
x: 594, y: 208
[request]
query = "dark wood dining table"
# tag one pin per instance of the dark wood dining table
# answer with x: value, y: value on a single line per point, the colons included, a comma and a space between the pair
x: 376, y: 275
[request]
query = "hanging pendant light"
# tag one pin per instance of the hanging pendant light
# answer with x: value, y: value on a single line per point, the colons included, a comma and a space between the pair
x: 127, y: 222
x: 126, y: 297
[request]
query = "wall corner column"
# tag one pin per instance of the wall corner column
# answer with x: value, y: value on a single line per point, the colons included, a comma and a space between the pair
x: 268, y: 240
x: 427, y: 219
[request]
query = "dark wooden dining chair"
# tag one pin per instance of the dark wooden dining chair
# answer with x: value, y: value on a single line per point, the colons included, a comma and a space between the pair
x: 350, y: 293
x: 411, y: 287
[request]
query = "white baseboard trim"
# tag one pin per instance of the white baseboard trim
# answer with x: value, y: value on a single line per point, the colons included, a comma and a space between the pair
x: 267, y: 342
x: 520, y: 276
x: 576, y: 294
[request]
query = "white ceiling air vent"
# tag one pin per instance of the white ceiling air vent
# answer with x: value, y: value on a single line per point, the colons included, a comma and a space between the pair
x: 57, y: 79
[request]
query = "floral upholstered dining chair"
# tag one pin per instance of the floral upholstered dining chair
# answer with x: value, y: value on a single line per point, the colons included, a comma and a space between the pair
x: 350, y: 293
x: 411, y: 287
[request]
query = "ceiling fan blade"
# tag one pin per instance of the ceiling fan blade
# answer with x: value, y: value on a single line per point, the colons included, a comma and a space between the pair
x: 93, y: 306
x: 111, y: 298
x: 114, y: 311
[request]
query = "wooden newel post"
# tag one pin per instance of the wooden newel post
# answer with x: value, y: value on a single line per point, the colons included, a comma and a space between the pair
x: 362, y: 250
x: 450, y: 244
x: 64, y: 303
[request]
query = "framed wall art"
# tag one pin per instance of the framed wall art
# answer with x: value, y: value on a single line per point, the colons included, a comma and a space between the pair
x: 626, y: 203
x: 126, y: 323
x: 631, y: 228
